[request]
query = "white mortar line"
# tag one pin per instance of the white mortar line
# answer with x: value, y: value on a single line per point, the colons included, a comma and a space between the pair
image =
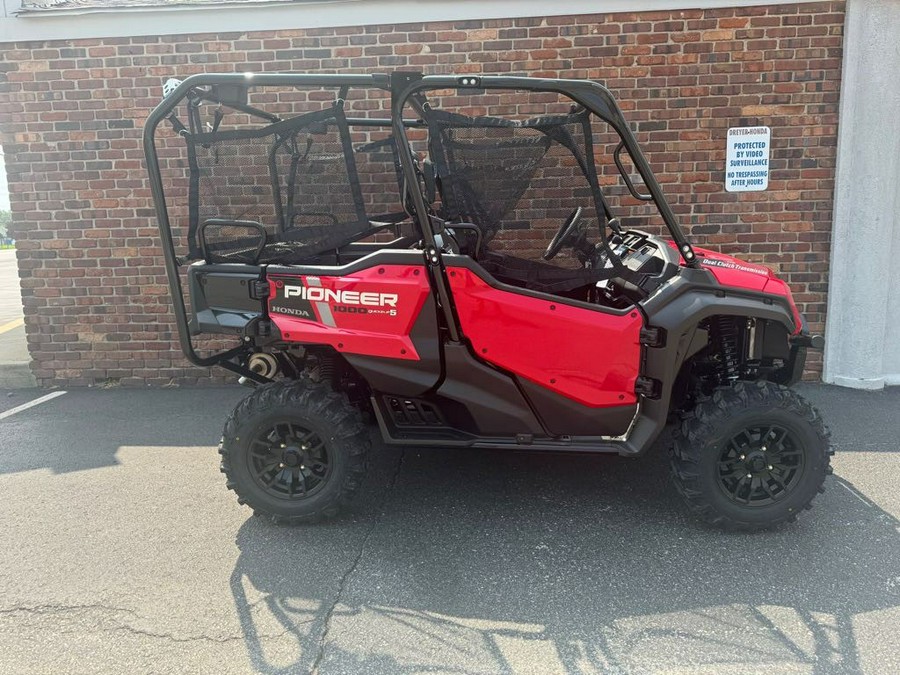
x: 31, y: 404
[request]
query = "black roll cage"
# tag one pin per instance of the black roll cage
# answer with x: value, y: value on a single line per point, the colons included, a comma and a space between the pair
x: 403, y: 86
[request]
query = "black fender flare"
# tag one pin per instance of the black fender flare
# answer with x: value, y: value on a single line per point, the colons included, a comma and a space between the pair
x: 678, y: 308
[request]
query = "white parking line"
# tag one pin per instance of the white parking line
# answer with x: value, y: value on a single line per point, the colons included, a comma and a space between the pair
x: 30, y: 404
x: 856, y: 494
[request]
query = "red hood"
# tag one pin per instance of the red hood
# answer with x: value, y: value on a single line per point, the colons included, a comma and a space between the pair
x: 730, y: 271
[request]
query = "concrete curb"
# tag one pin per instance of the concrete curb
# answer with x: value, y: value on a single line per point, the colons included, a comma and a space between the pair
x: 16, y: 376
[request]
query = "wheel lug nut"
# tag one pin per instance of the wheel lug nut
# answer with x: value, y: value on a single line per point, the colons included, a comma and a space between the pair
x: 283, y: 445
x: 743, y: 457
x: 763, y: 448
x: 749, y: 475
x: 770, y: 467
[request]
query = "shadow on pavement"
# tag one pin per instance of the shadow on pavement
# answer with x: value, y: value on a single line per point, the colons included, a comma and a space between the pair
x: 485, y: 562
x: 85, y: 428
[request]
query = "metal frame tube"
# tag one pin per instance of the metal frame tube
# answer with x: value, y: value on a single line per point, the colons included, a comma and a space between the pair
x: 593, y: 96
x: 158, y: 115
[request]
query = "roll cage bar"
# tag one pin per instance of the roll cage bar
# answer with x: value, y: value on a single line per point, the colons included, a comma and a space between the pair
x: 403, y: 86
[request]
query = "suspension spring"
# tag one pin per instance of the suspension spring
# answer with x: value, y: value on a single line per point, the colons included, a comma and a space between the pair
x: 726, y: 334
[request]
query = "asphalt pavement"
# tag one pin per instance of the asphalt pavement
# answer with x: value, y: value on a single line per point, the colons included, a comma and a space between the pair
x: 121, y: 551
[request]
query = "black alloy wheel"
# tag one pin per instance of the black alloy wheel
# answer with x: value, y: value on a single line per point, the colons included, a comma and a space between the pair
x: 751, y: 456
x: 295, y: 450
x: 289, y: 461
x: 760, y: 465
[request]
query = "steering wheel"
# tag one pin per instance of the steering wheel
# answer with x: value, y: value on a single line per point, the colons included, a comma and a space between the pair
x: 566, y: 232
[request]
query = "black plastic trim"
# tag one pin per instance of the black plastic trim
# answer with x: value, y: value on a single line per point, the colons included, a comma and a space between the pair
x: 490, y: 398
x: 653, y: 336
x: 221, y: 298
x: 448, y: 437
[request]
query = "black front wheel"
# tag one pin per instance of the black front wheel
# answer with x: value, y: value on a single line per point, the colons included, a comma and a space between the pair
x: 751, y: 456
x: 294, y: 451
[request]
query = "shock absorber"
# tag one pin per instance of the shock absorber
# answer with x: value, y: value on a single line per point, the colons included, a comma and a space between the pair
x: 323, y: 369
x: 727, y: 338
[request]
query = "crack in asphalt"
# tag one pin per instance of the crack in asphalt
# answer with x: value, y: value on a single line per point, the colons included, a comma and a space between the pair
x: 342, y: 584
x: 193, y: 638
x: 52, y: 609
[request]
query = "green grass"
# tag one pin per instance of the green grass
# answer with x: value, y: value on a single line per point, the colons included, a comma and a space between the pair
x: 4, y: 247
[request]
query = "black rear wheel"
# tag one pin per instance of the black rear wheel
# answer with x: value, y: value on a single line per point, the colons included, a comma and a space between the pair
x: 289, y: 460
x: 751, y: 456
x: 294, y: 451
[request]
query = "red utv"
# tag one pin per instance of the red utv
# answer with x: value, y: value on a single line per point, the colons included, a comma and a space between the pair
x: 470, y: 262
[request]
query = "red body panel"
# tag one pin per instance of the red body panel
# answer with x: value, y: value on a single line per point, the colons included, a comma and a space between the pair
x: 588, y: 356
x: 370, y: 312
x: 730, y: 271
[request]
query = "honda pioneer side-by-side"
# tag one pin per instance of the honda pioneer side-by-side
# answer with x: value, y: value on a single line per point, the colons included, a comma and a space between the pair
x: 481, y: 262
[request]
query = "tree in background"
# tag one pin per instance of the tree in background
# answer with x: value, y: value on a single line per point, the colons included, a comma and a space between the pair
x: 5, y: 223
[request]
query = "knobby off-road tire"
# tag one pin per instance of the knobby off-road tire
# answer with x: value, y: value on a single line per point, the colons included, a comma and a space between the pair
x: 294, y: 451
x: 751, y: 456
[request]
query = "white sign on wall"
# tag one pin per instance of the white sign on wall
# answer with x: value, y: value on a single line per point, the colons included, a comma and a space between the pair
x: 747, y: 159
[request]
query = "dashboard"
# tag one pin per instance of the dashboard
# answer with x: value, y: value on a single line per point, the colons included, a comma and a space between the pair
x: 642, y: 254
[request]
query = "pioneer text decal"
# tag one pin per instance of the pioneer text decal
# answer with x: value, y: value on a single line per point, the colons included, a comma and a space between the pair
x: 319, y: 294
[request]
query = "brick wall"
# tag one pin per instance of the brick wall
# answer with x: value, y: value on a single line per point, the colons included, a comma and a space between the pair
x: 96, y: 304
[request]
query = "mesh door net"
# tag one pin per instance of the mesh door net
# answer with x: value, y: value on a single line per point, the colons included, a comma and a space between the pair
x: 297, y: 179
x: 518, y: 181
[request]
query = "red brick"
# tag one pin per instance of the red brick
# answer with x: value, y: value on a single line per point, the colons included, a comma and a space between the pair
x: 83, y: 215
